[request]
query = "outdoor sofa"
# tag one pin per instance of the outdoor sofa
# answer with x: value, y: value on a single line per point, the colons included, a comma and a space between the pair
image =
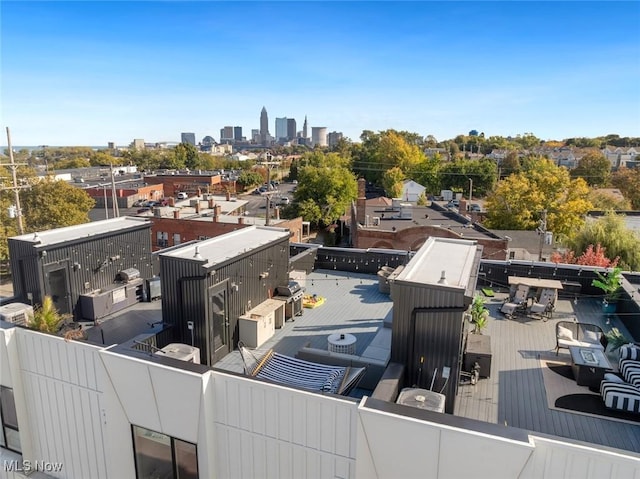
x: 571, y: 333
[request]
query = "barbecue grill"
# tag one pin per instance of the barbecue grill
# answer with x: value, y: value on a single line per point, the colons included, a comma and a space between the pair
x: 292, y: 295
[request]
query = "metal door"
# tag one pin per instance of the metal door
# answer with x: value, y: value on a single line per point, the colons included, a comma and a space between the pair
x: 58, y: 289
x: 218, y: 322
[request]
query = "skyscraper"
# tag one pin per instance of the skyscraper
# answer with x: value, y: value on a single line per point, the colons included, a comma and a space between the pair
x: 237, y: 133
x: 291, y: 128
x: 264, y: 126
x: 333, y: 138
x: 189, y: 138
x: 319, y: 136
x: 281, y: 129
x: 226, y: 133
x: 304, y: 128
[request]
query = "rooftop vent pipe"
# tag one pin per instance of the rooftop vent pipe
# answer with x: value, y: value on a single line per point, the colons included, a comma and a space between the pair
x: 443, y: 278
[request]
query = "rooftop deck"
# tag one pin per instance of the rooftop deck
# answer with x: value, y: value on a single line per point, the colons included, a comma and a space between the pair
x: 514, y: 394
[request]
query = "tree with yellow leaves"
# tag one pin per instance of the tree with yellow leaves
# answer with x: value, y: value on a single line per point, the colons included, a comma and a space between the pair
x: 519, y: 200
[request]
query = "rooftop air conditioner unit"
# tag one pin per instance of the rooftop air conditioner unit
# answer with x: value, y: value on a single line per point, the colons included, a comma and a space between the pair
x: 17, y: 313
x: 422, y: 399
x: 182, y: 352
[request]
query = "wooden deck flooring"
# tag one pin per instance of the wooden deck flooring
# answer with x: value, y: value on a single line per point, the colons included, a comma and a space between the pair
x: 515, y: 395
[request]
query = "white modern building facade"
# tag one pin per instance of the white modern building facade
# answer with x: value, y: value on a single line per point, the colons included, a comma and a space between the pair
x: 319, y: 136
x: 75, y: 410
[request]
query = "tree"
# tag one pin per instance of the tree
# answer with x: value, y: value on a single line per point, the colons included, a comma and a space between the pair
x: 591, y: 257
x: 392, y: 182
x: 248, y: 179
x: 186, y: 155
x: 519, y: 200
x: 594, y: 168
x: 43, y: 209
x: 605, y: 201
x: 326, y: 188
x: 627, y: 180
x: 612, y: 234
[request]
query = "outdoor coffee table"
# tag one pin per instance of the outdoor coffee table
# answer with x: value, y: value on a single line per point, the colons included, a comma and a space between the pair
x: 588, y: 365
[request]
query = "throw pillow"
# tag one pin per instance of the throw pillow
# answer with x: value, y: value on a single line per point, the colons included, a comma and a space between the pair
x: 564, y: 333
x: 592, y: 337
x: 613, y: 378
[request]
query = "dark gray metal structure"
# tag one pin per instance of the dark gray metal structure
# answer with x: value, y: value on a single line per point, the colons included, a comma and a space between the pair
x: 430, y: 297
x: 207, y: 285
x: 66, y: 263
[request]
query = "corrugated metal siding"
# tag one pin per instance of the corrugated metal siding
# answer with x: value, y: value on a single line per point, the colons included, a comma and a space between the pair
x: 64, y: 403
x: 436, y: 336
x: 263, y: 430
x: 118, y: 251
x: 185, y: 285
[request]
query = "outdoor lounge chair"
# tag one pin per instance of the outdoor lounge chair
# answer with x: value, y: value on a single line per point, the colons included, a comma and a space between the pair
x: 546, y: 303
x: 296, y: 372
x: 518, y: 302
x: 570, y: 333
x: 620, y: 395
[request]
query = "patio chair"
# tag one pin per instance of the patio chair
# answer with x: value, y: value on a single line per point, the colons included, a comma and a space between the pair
x: 545, y: 304
x: 518, y: 302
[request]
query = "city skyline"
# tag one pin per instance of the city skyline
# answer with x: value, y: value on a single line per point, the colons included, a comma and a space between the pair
x: 554, y: 69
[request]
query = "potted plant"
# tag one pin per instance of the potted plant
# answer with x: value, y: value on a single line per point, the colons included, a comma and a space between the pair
x: 611, y: 284
x: 479, y: 314
x: 615, y: 339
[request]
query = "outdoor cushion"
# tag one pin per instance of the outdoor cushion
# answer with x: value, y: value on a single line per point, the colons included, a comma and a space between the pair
x: 620, y: 396
x: 613, y: 378
x: 630, y: 351
x: 591, y: 336
x: 564, y: 333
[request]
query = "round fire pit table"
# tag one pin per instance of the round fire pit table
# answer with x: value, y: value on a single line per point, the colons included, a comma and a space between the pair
x: 342, y: 343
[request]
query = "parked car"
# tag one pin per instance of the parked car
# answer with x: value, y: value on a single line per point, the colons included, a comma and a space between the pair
x: 138, y: 203
x: 182, y: 196
x: 475, y: 207
x: 285, y: 200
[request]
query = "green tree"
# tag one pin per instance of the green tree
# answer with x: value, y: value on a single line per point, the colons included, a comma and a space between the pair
x: 392, y: 182
x: 186, y: 155
x: 247, y: 179
x: 71, y: 163
x: 44, y: 209
x: 455, y: 175
x: 611, y: 233
x: 594, y: 168
x: 100, y: 158
x: 327, y: 182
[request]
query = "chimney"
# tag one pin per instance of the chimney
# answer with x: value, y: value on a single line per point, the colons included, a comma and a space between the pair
x: 277, y: 209
x: 198, y: 206
x: 228, y: 195
x: 176, y: 214
x: 212, y: 203
x: 361, y: 201
x: 199, y: 192
x: 171, y: 201
x: 240, y: 220
x: 217, y: 210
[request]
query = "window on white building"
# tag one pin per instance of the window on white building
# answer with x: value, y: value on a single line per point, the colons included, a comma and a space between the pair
x: 159, y: 455
x: 9, y: 435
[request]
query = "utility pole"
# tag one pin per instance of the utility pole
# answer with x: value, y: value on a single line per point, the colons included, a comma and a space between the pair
x: 268, y: 194
x: 470, y: 189
x: 15, y: 187
x: 542, y: 231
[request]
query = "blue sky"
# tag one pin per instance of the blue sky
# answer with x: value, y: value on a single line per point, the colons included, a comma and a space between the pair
x: 85, y: 73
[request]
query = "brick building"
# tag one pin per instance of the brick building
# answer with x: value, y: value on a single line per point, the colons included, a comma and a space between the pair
x: 394, y: 224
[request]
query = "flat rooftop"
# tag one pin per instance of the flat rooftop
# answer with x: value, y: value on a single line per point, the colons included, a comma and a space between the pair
x: 423, y: 216
x: 95, y: 228
x: 452, y: 257
x: 227, y: 246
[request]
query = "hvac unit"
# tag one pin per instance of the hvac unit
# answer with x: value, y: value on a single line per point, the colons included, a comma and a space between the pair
x: 182, y: 352
x: 17, y: 313
x: 422, y: 399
